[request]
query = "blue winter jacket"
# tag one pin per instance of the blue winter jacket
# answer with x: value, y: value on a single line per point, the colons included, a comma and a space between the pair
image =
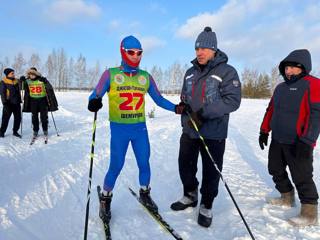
x: 216, y: 89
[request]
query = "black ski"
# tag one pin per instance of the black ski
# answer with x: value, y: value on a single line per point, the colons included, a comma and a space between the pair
x: 106, y: 225
x: 33, y: 139
x: 156, y: 216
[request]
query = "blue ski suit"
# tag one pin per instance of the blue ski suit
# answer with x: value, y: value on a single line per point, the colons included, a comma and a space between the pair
x: 124, y: 133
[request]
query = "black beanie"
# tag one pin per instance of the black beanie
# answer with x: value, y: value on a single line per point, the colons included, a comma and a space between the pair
x: 7, y: 71
x: 207, y: 39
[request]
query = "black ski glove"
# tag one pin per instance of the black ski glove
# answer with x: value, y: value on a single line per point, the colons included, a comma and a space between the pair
x: 303, y: 150
x: 263, y: 140
x: 178, y: 109
x: 23, y: 78
x: 197, y: 118
x: 95, y: 104
x: 182, y: 108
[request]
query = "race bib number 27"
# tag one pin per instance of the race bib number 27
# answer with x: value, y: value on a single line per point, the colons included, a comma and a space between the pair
x: 128, y: 103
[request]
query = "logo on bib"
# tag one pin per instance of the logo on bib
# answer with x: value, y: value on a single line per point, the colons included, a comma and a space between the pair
x: 119, y: 79
x: 142, y: 80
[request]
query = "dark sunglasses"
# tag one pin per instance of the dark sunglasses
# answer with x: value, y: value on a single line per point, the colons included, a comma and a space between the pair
x: 133, y: 52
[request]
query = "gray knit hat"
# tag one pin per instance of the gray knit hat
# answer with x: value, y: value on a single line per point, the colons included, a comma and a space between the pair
x: 207, y: 39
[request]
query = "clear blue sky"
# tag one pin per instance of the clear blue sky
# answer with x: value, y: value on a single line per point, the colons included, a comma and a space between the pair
x: 254, y: 33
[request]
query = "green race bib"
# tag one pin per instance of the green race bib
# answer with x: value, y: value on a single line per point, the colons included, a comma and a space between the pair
x: 126, y: 96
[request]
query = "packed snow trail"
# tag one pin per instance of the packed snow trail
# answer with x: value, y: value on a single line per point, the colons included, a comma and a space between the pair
x: 44, y: 186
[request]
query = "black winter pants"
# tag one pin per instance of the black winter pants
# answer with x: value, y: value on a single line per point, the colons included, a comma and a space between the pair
x: 39, y: 105
x: 7, y: 111
x: 188, y: 159
x: 283, y: 155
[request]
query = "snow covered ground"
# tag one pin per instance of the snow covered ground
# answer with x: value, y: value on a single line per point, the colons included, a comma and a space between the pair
x: 44, y: 187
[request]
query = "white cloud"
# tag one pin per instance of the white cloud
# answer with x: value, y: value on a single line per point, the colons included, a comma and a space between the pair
x: 260, y: 33
x: 113, y: 25
x: 118, y: 25
x: 62, y: 11
x: 156, y: 7
x: 150, y: 43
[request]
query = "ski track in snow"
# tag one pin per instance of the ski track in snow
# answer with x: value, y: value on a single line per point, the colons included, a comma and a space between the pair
x: 44, y: 186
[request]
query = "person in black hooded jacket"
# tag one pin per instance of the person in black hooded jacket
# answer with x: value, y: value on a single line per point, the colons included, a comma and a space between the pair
x: 39, y: 98
x: 11, y: 99
x: 293, y: 116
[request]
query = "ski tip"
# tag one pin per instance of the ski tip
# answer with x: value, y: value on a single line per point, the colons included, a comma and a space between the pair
x: 98, y: 188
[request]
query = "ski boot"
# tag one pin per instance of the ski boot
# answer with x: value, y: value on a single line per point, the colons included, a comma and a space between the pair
x: 45, y: 133
x: 146, y: 199
x: 285, y: 200
x: 16, y: 134
x: 190, y: 199
x: 205, y: 216
x: 308, y: 216
x: 105, y: 203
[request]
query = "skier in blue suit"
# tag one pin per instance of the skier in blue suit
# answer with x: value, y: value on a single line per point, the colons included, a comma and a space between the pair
x: 126, y: 87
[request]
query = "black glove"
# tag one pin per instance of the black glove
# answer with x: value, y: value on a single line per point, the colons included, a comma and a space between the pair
x: 263, y: 140
x: 178, y: 109
x: 197, y: 118
x: 95, y: 104
x: 23, y: 78
x: 303, y: 150
x: 187, y: 109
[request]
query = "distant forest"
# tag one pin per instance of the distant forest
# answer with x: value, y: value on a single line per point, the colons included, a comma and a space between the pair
x: 67, y: 73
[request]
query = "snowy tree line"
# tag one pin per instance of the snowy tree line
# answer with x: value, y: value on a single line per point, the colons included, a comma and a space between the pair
x: 63, y: 72
x: 259, y: 85
x: 67, y: 73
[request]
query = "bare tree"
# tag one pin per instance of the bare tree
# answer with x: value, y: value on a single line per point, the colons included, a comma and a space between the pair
x: 70, y: 78
x: 157, y: 75
x: 249, y: 79
x: 80, y: 71
x: 176, y: 77
x: 35, y: 61
x: 19, y: 64
x: 275, y: 78
x: 93, y: 75
x: 61, y: 68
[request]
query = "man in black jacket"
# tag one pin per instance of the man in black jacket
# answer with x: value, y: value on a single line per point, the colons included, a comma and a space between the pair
x: 293, y: 116
x: 211, y: 91
x: 11, y: 99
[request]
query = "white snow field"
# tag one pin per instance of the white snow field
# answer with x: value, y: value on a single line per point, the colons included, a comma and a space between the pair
x: 43, y: 188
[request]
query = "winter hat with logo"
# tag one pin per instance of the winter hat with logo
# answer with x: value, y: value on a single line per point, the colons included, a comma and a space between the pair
x: 207, y: 39
x: 7, y: 71
x: 129, y: 42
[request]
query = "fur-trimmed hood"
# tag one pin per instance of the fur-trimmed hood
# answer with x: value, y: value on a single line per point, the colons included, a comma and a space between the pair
x: 33, y: 72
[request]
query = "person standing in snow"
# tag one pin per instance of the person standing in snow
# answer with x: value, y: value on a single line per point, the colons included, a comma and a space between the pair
x: 211, y: 91
x: 39, y: 97
x: 126, y: 86
x: 11, y: 100
x: 293, y: 116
